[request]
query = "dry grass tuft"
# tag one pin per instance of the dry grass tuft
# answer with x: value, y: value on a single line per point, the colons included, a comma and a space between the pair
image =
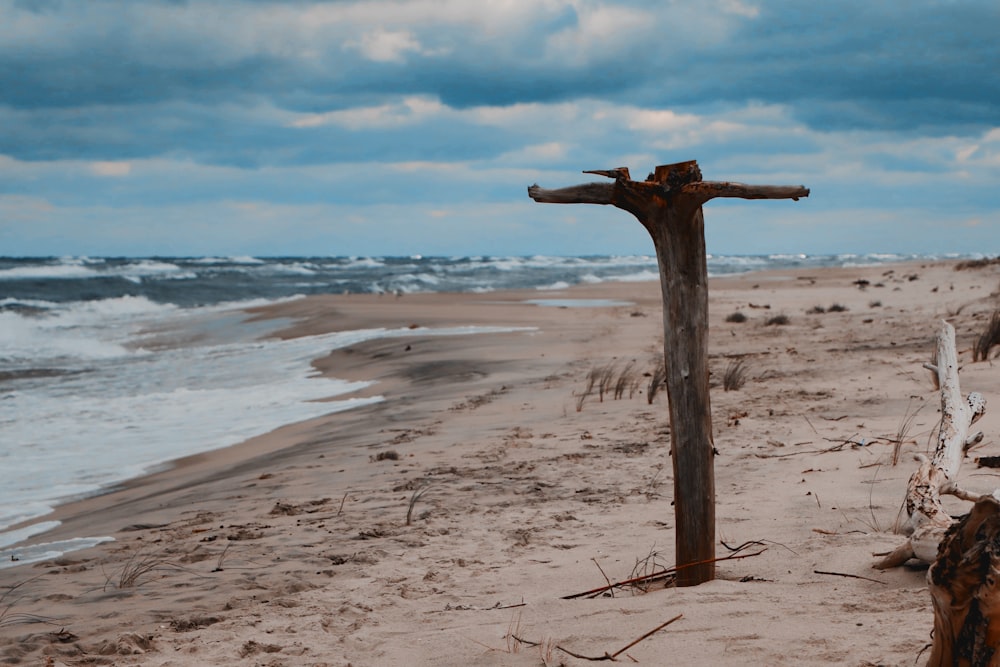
x: 777, y: 320
x: 903, y: 431
x: 989, y: 338
x: 10, y: 617
x: 608, y: 380
x: 736, y: 317
x: 413, y: 501
x: 735, y: 376
x: 935, y: 380
x: 605, y: 381
x: 976, y: 263
x: 140, y: 564
x: 616, y: 381
x: 513, y: 632
x: 656, y: 379
x: 624, y: 380
x: 837, y: 308
x: 588, y: 389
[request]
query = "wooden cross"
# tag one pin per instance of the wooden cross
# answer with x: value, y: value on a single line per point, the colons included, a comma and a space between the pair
x: 668, y: 204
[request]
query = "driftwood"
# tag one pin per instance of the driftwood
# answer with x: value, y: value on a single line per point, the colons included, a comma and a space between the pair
x: 965, y: 590
x: 964, y: 576
x: 668, y: 204
x: 926, y: 519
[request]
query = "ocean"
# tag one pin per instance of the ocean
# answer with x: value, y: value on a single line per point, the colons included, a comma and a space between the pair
x: 111, y: 367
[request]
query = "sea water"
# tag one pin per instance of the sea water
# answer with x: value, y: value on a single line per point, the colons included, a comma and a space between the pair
x: 110, y: 367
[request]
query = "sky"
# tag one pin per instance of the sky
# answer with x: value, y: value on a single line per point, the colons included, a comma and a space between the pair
x: 365, y: 127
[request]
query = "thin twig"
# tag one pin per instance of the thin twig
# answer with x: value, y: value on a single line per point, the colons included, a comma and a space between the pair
x: 610, y: 587
x: 610, y: 657
x: 852, y: 576
x: 835, y: 448
x: 462, y: 607
x: 871, y: 510
x: 222, y: 558
x: 512, y: 606
x: 662, y: 574
x: 758, y: 543
x: 737, y: 549
x: 648, y: 634
x: 342, y: 501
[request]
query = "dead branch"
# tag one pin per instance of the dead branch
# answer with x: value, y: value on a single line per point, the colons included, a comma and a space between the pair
x: 588, y: 193
x: 709, y: 190
x: 645, y: 636
x: 465, y: 607
x: 852, y: 576
x: 963, y: 585
x: 611, y: 588
x: 926, y: 518
x: 665, y: 574
x: 988, y: 461
x: 610, y: 657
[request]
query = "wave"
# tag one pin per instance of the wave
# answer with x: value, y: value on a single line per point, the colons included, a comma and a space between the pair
x: 234, y: 259
x: 369, y: 262
x: 65, y: 333
x: 85, y: 268
x: 202, y: 281
x: 48, y: 272
x: 34, y: 553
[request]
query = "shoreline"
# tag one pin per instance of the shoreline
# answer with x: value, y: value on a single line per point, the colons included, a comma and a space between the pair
x: 308, y: 316
x: 523, y: 493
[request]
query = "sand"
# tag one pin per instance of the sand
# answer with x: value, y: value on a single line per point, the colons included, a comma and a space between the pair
x: 438, y: 525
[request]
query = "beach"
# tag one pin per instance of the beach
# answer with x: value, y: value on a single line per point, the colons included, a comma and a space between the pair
x: 447, y: 523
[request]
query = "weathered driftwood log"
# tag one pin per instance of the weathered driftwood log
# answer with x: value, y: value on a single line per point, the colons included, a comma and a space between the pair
x: 926, y: 519
x: 964, y: 577
x: 668, y: 204
x: 965, y: 590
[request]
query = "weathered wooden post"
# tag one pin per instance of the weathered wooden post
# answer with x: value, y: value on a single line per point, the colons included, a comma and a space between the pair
x: 668, y: 204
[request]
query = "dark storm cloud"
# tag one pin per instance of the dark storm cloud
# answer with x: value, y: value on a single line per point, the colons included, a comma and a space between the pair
x: 231, y: 136
x: 837, y: 65
x: 873, y: 65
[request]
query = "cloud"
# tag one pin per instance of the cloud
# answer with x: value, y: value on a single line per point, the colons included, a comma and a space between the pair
x: 549, y: 152
x: 386, y: 46
x: 114, y: 169
x: 983, y: 153
x: 408, y: 111
x: 359, y: 108
x: 850, y: 65
x: 741, y: 8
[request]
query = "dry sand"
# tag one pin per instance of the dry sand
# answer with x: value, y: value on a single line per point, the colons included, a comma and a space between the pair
x: 294, y: 548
